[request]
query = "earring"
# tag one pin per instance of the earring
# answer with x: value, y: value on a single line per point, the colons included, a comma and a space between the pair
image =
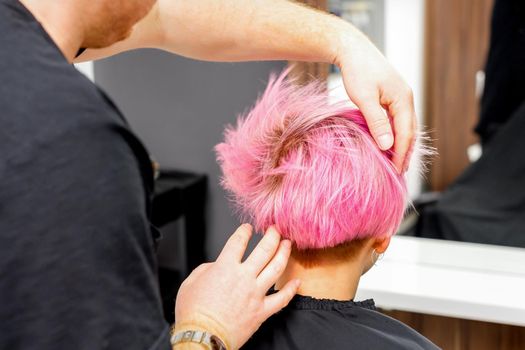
x: 376, y: 256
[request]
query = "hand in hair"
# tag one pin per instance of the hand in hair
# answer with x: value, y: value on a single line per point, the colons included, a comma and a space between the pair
x: 381, y: 94
x: 311, y: 168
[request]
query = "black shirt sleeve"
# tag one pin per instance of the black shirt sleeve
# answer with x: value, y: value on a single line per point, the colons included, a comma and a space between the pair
x: 77, y: 263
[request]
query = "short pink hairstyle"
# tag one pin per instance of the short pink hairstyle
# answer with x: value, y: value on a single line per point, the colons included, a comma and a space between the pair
x: 310, y: 168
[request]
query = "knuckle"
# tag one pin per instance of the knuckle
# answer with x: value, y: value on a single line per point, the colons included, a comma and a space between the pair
x: 199, y: 268
x: 280, y: 263
x: 240, y: 238
x: 379, y: 124
x: 269, y: 243
x: 267, y: 248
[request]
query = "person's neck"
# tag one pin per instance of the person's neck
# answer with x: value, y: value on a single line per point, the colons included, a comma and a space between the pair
x: 61, y: 21
x: 335, y: 280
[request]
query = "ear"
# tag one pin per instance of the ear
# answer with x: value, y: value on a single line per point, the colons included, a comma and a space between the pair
x: 381, y: 244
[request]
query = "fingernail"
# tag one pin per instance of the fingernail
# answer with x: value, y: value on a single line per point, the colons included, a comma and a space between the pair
x: 286, y: 243
x: 297, y: 283
x: 385, y: 141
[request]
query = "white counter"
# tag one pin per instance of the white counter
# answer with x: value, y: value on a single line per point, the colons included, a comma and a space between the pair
x: 462, y: 280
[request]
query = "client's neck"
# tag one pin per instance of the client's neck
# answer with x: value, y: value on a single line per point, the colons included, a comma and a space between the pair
x: 328, y: 280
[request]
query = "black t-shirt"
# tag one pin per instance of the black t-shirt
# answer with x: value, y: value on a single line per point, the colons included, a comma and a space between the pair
x: 314, y: 324
x: 77, y: 263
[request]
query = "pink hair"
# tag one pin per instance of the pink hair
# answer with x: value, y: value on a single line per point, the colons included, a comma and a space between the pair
x: 310, y: 168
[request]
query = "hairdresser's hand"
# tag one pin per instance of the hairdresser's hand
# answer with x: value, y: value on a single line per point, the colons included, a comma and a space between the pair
x: 228, y: 297
x: 376, y: 87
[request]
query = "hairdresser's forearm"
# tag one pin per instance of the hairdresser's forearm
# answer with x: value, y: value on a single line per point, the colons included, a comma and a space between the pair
x: 239, y: 30
x: 244, y: 30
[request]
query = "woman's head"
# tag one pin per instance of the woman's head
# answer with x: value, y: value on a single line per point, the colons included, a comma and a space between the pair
x: 311, y: 169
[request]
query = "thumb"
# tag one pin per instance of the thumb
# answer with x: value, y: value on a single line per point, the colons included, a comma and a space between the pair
x: 275, y: 302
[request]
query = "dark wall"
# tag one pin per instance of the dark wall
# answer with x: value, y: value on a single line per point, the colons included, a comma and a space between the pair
x: 179, y: 108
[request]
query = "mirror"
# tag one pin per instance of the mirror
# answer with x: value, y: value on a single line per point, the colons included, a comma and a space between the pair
x: 441, y: 49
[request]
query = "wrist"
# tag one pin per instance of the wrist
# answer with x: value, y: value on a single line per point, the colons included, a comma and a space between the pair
x: 188, y: 346
x: 332, y: 37
x: 205, y: 323
x: 340, y: 38
x: 348, y: 41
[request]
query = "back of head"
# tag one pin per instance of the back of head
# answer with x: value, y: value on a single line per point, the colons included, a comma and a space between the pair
x: 310, y: 168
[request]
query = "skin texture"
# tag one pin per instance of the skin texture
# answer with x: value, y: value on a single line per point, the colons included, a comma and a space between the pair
x: 329, y: 278
x: 237, y: 30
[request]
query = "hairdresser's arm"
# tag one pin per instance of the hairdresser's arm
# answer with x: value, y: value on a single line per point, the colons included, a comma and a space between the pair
x: 228, y: 297
x: 240, y: 30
